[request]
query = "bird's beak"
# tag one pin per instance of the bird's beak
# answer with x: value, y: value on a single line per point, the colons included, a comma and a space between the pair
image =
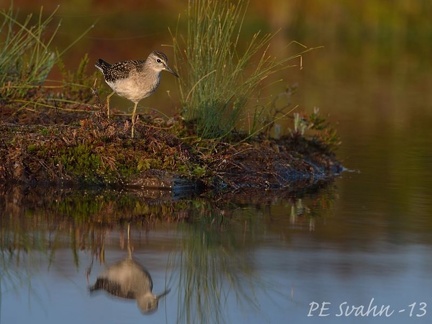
x: 163, y: 294
x: 168, y: 69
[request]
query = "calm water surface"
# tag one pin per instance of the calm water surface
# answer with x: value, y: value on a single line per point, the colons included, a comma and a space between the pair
x: 363, y: 241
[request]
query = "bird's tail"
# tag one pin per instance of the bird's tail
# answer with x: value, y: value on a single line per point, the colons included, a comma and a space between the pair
x: 102, y: 65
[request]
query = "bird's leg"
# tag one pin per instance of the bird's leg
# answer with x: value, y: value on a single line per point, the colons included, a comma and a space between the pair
x: 133, y: 119
x: 128, y: 242
x: 108, y: 103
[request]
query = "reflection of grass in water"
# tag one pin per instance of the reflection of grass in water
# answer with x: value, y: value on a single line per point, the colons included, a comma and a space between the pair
x: 214, y: 262
x: 16, y: 269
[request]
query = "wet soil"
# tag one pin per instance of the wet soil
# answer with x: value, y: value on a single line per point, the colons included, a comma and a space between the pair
x: 83, y: 147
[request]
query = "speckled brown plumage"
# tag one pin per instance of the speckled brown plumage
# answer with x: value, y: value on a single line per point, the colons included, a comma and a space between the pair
x: 121, y: 70
x: 134, y: 79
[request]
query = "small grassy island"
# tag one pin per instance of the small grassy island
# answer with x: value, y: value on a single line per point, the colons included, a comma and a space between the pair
x: 61, y: 135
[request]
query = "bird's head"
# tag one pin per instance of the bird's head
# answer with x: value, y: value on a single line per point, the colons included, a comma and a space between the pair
x: 158, y: 61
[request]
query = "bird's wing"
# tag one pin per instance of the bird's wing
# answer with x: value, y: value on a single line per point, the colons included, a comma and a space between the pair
x: 122, y: 70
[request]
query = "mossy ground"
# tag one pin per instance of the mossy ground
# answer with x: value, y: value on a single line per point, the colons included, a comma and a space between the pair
x: 58, y: 146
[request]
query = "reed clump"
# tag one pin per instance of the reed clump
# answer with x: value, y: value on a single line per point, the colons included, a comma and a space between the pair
x: 26, y: 53
x: 25, y: 57
x: 218, y: 78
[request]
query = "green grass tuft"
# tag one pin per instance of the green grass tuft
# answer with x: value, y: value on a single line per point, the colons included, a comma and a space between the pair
x: 26, y: 53
x: 25, y: 57
x: 217, y: 79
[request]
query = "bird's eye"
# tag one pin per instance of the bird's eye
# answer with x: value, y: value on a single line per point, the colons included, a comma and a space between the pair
x: 159, y: 61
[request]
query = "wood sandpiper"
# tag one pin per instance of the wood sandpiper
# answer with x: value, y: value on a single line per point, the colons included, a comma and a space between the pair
x: 134, y: 79
x: 129, y: 279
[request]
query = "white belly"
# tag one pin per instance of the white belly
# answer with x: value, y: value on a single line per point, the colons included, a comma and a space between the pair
x: 133, y: 89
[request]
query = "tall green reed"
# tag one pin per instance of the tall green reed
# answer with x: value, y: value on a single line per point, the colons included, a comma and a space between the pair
x: 26, y: 56
x: 216, y: 78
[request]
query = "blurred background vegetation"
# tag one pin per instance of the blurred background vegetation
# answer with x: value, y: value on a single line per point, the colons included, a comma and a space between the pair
x: 389, y: 26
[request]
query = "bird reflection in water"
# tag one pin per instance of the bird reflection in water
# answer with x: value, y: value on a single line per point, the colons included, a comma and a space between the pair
x: 128, y: 279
